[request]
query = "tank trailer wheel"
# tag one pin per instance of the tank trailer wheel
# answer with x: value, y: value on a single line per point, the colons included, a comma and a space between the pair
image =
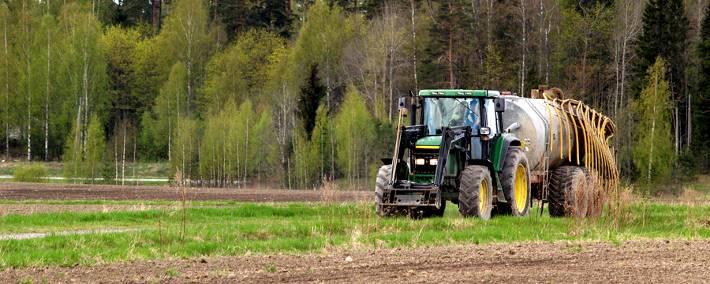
x: 568, y: 192
x: 383, y: 178
x: 476, y: 192
x: 515, y: 180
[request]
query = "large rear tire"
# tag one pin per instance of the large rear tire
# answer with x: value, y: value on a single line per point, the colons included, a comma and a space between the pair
x: 515, y: 180
x: 476, y: 192
x: 567, y: 192
x: 383, y: 178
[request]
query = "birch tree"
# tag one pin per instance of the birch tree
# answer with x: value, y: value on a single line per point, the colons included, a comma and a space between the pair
x: 83, y: 70
x: 6, y: 69
x: 355, y: 131
x: 27, y: 23
x: 653, y: 151
x: 185, y: 37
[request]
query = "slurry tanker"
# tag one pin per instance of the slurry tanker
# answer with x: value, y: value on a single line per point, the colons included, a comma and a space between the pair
x: 489, y: 151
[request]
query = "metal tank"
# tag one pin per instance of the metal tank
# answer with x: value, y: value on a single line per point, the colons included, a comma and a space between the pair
x: 534, y: 121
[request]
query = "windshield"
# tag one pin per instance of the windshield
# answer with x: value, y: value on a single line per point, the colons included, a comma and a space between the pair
x: 450, y: 112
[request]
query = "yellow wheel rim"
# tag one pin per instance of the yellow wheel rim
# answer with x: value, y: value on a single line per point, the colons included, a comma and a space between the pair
x: 483, y: 196
x: 521, y: 188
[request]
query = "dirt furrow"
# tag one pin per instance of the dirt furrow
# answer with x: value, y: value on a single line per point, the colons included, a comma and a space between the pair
x: 29, y: 191
x: 633, y: 261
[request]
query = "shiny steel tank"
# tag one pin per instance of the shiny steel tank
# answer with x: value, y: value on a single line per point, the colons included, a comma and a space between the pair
x: 538, y: 121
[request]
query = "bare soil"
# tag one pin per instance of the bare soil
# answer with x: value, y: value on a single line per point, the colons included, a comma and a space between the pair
x: 34, y: 191
x: 634, y: 261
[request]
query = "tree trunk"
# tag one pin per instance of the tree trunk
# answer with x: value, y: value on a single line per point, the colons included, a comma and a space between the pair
x: 450, y: 53
x: 29, y: 92
x: 414, y: 47
x: 155, y: 15
x: 246, y: 152
x: 123, y: 156
x: 653, y: 131
x: 46, y: 97
x: 7, y: 93
x: 134, y: 160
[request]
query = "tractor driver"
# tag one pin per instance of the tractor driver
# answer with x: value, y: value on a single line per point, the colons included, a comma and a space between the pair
x: 466, y: 113
x: 471, y: 117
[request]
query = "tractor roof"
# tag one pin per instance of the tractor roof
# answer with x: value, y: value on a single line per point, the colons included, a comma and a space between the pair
x: 458, y: 93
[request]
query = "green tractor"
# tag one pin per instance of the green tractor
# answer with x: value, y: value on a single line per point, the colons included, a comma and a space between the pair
x: 455, y: 149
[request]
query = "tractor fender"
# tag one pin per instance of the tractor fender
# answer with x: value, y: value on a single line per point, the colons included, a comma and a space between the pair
x: 500, y: 149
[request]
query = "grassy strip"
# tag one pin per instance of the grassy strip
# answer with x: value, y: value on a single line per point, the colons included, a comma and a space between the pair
x: 265, y: 228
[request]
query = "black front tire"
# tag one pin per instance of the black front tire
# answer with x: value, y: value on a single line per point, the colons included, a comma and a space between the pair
x: 511, y: 174
x: 476, y: 192
x: 383, y: 177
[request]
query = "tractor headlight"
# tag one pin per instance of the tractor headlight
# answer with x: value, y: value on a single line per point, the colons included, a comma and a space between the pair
x: 484, y: 131
x: 420, y: 162
x: 433, y: 162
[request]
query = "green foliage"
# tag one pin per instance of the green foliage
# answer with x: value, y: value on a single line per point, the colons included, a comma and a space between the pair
x: 584, y: 50
x: 263, y: 139
x: 321, y: 41
x: 66, y: 66
x: 7, y: 81
x: 95, y: 149
x: 355, y: 133
x: 653, y: 150
x: 185, y: 38
x: 238, y: 145
x: 493, y: 68
x: 119, y: 48
x: 84, y: 152
x: 159, y: 124
x: 185, y: 146
x: 240, y: 71
x: 322, y: 144
x: 30, y: 173
x: 83, y: 92
x: 304, y: 169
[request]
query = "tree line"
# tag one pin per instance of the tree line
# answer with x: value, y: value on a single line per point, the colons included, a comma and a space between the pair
x: 301, y: 91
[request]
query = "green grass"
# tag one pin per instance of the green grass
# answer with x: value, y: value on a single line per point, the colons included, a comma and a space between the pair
x: 267, y: 228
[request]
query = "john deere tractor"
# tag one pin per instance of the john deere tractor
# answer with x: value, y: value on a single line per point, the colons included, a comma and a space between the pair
x: 493, y: 152
x: 459, y: 151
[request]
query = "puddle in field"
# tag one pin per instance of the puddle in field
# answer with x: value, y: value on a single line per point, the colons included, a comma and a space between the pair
x: 27, y: 236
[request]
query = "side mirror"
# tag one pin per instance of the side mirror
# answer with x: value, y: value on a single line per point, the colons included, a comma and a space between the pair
x: 402, y: 102
x: 500, y: 104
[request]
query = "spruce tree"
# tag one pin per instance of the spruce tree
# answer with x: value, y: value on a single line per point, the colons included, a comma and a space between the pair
x: 311, y: 94
x: 664, y: 33
x: 701, y: 104
x: 445, y: 63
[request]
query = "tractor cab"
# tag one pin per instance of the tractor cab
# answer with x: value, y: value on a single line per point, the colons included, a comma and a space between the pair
x: 449, y: 131
x: 461, y: 108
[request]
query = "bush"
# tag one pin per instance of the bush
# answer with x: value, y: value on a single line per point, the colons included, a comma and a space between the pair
x: 30, y: 173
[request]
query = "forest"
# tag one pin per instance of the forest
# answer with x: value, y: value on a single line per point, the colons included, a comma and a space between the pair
x: 298, y: 92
